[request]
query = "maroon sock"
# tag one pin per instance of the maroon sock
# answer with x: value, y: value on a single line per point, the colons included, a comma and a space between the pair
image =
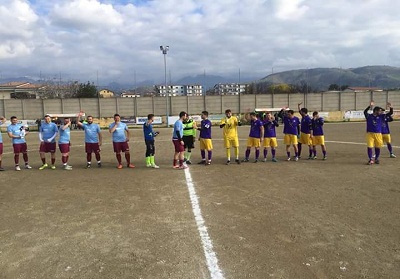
x: 128, y: 158
x: 16, y: 159
x: 89, y: 157
x: 118, y: 155
x: 43, y: 160
x: 25, y: 156
x: 53, y: 160
x: 180, y: 163
x: 97, y: 156
x: 175, y: 161
x: 64, y: 159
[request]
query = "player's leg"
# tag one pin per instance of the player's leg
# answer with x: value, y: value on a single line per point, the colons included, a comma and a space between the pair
x: 88, y: 151
x: 387, y: 139
x: 1, y: 156
x: 296, y: 148
x: 274, y: 145
x: 53, y: 159
x: 42, y: 154
x: 202, y: 151
x: 370, y: 146
x: 149, y: 153
x: 97, y: 155
x: 227, y: 145
x: 153, y: 153
x: 378, y: 143
x: 323, y: 149
x: 235, y: 144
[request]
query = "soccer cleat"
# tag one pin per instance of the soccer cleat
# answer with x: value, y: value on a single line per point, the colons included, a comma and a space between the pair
x: 28, y: 167
x: 392, y: 155
x: 17, y: 168
x: 237, y: 161
x: 188, y: 162
x: 99, y: 164
x: 377, y: 161
x: 44, y: 166
x: 148, y: 165
x: 296, y: 159
x: 315, y: 157
x: 245, y: 160
x: 53, y: 167
x: 88, y: 165
x: 2, y: 169
x: 130, y: 166
x: 202, y: 162
x: 310, y: 158
x: 274, y: 160
x: 264, y: 160
x: 228, y: 162
x: 154, y: 166
x: 288, y: 159
x: 67, y: 167
x: 183, y: 167
x: 119, y: 166
x: 208, y: 162
x: 325, y: 158
x: 370, y: 162
x: 255, y: 161
x: 175, y: 166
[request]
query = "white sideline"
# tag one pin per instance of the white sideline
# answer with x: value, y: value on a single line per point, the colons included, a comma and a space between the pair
x: 211, y: 256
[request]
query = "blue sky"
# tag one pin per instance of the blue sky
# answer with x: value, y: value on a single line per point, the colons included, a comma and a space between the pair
x: 115, y: 40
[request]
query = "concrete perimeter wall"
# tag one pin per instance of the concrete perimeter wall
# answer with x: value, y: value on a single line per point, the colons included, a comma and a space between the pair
x: 128, y: 107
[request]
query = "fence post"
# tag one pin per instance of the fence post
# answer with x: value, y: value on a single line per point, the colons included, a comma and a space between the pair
x: 44, y: 108
x: 62, y: 105
x: 153, y: 106
x: 23, y: 108
x: 355, y: 100
x: 322, y: 101
x: 99, y: 105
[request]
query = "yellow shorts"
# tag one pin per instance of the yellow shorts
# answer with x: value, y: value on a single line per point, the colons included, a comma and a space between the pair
x: 318, y: 140
x: 253, y: 142
x: 289, y: 139
x: 206, y: 144
x: 386, y: 138
x: 305, y: 139
x: 374, y: 140
x: 270, y: 142
x: 229, y: 142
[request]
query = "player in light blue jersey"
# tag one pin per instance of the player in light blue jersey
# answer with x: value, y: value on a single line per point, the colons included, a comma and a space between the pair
x: 120, y: 137
x: 47, y: 136
x: 93, y: 139
x: 64, y: 142
x: 2, y: 120
x: 17, y: 132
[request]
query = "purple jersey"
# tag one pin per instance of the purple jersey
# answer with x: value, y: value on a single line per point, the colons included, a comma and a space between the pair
x: 374, y: 123
x: 317, y: 126
x: 385, y: 124
x: 205, y: 132
x: 305, y: 126
x: 269, y: 128
x: 255, y: 128
x: 290, y: 125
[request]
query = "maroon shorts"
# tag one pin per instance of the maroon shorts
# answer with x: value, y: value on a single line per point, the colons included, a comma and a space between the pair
x: 20, y: 148
x: 64, y: 147
x: 1, y: 148
x: 92, y: 147
x: 178, y: 146
x: 48, y: 147
x: 120, y: 146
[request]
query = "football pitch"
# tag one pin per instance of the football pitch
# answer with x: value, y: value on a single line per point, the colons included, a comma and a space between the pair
x: 338, y: 218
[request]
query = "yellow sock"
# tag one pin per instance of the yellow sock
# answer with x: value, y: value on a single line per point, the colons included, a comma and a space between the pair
x: 228, y: 153
x: 237, y: 152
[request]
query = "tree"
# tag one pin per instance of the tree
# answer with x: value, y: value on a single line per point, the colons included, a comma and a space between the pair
x: 87, y: 90
x: 334, y: 87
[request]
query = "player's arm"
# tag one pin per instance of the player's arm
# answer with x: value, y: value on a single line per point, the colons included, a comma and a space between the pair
x: 10, y: 134
x: 299, y: 106
x: 389, y: 106
x: 239, y: 123
x: 222, y: 125
x: 367, y: 109
x: 128, y: 134
x: 65, y: 126
x: 282, y: 113
x: 194, y: 129
x: 262, y: 133
x: 78, y: 119
x: 54, y: 135
x: 41, y: 134
x: 100, y: 137
x: 112, y: 127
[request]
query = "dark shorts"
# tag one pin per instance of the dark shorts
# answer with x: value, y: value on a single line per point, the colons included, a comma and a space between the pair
x: 92, y: 147
x: 20, y: 148
x: 1, y: 148
x: 64, y: 147
x: 48, y: 147
x: 121, y: 146
x: 178, y: 146
x: 189, y: 142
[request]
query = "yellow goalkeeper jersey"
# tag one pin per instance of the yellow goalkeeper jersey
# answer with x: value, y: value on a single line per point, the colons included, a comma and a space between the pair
x: 230, y: 128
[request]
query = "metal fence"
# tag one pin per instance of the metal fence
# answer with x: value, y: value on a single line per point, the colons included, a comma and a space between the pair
x: 107, y: 107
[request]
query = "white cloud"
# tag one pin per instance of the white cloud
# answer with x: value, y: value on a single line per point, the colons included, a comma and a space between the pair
x: 80, y: 38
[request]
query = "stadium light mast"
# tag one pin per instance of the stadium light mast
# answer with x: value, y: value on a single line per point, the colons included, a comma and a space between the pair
x: 164, y: 50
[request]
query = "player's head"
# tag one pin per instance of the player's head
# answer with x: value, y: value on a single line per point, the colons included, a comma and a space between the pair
x: 290, y: 113
x: 253, y: 115
x: 47, y: 118
x: 117, y: 117
x: 315, y: 114
x: 303, y: 111
x: 204, y: 114
x: 377, y: 110
x: 67, y: 120
x: 228, y: 113
x: 183, y: 115
x: 150, y: 117
x: 89, y: 119
x: 268, y: 115
x: 14, y: 119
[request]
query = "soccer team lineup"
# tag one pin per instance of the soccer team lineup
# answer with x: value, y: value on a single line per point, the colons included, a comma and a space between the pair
x: 301, y: 133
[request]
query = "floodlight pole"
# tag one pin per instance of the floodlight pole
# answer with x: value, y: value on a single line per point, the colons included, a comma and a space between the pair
x: 164, y: 51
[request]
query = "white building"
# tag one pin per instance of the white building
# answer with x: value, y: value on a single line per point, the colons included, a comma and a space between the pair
x: 230, y: 88
x: 180, y: 90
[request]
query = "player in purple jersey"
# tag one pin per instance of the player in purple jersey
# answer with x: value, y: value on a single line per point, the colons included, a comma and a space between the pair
x: 291, y: 129
x: 374, y: 131
x: 270, y: 123
x: 305, y: 131
x: 318, y: 137
x: 256, y: 137
x: 205, y: 139
x: 386, y: 131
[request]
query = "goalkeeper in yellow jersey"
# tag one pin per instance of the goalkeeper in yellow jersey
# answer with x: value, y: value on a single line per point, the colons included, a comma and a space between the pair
x: 229, y: 125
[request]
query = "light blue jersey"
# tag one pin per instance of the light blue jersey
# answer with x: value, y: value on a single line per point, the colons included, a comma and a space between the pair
x: 1, y: 136
x: 178, y: 127
x: 119, y: 134
x: 65, y: 135
x: 48, y: 131
x: 16, y: 130
x: 91, y: 132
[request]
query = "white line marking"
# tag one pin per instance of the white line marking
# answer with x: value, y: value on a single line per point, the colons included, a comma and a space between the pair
x: 211, y: 256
